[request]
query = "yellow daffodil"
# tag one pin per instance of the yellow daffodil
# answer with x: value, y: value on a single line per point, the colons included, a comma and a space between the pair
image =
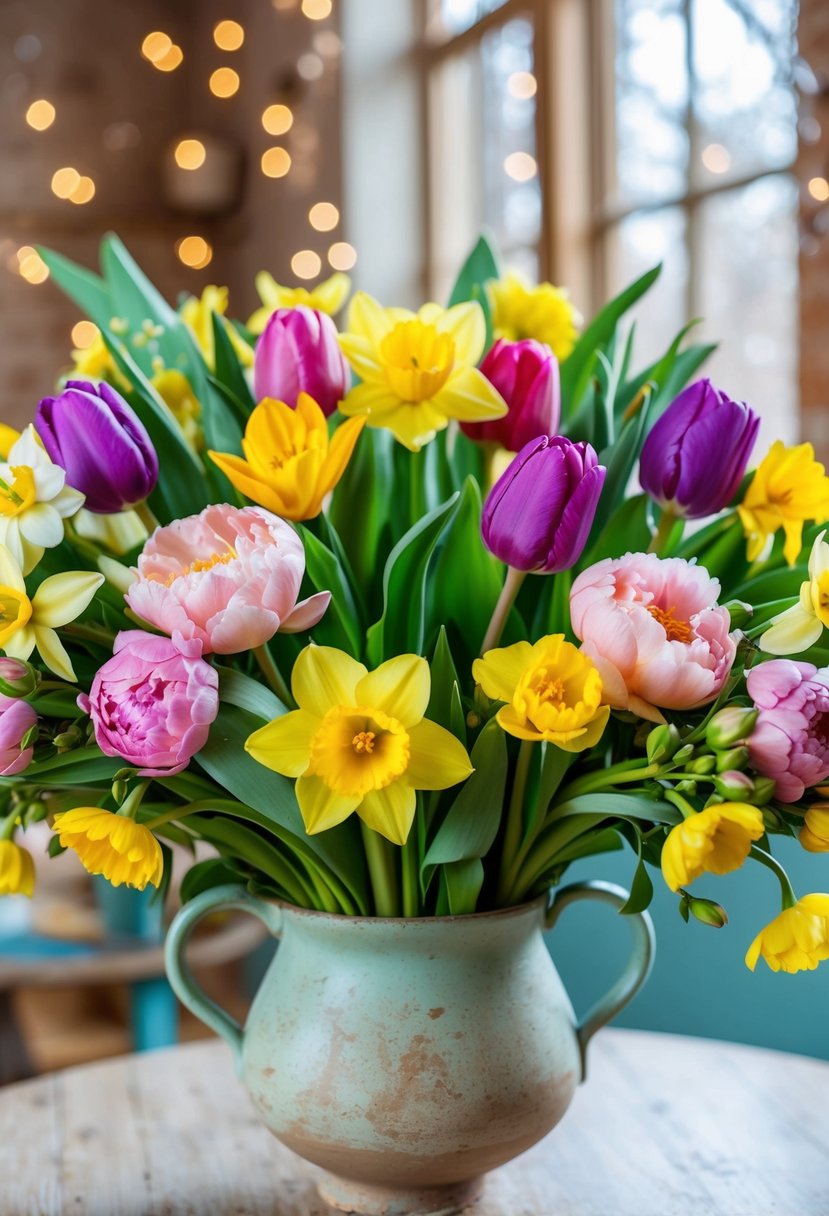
x: 797, y: 939
x: 177, y: 394
x: 800, y: 626
x: 418, y: 370
x: 716, y: 840
x: 94, y: 362
x: 814, y: 835
x: 359, y: 742
x: 119, y: 533
x: 34, y: 501
x: 328, y: 297
x: 8, y: 438
x: 17, y: 870
x: 28, y: 623
x: 197, y: 315
x: 544, y: 312
x: 551, y: 691
x: 290, y: 462
x: 788, y: 488
x: 115, y: 846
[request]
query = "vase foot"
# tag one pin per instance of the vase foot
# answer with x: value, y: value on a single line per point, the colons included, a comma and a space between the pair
x: 364, y: 1200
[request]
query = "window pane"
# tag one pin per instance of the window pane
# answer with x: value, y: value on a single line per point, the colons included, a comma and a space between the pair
x: 651, y: 154
x: 744, y: 103
x: 748, y: 291
x: 458, y: 15
x: 637, y: 244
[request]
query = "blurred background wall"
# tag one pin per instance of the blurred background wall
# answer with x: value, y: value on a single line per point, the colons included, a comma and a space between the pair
x: 594, y: 138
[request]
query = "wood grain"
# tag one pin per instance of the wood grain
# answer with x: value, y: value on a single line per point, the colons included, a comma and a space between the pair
x: 665, y: 1126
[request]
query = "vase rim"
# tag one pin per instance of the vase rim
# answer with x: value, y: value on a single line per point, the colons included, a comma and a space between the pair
x: 514, y: 911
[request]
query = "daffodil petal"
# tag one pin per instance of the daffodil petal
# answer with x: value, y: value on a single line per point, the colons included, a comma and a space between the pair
x: 499, y: 671
x: 330, y: 295
x: 793, y: 531
x: 518, y: 727
x: 53, y: 653
x: 42, y: 525
x: 321, y: 807
x: 390, y: 811
x: 63, y: 597
x: 373, y: 400
x: 586, y: 738
x: 399, y: 687
x: 21, y: 644
x: 368, y: 319
x: 10, y: 573
x: 466, y: 325
x: 284, y: 745
x: 324, y: 677
x: 437, y: 759
x: 412, y: 424
x: 469, y: 397
x: 793, y: 632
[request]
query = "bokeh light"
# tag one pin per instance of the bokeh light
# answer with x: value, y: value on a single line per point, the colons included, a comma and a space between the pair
x: 40, y: 114
x: 194, y: 251
x: 306, y: 264
x: 84, y: 334
x: 228, y: 35
x: 275, y: 162
x: 324, y: 217
x: 224, y: 82
x: 156, y: 45
x: 819, y: 189
x: 31, y: 265
x: 342, y: 256
x: 522, y: 85
x: 277, y: 119
x: 190, y: 153
x: 317, y: 10
x: 65, y: 181
x: 716, y: 158
x: 520, y: 166
x: 84, y: 192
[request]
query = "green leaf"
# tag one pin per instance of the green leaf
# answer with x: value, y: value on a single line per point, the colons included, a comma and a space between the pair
x: 341, y: 626
x: 84, y: 766
x: 641, y: 887
x: 86, y: 289
x: 249, y: 694
x: 360, y: 507
x: 618, y: 806
x: 626, y: 530
x: 242, y: 843
x: 445, y: 684
x: 212, y: 872
x: 479, y: 268
x: 463, y: 882
x: 229, y: 371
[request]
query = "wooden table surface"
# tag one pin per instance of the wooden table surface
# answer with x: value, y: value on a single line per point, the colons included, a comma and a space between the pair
x: 665, y: 1126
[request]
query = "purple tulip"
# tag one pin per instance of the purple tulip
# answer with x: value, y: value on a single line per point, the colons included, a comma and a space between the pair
x: 695, y: 456
x: 91, y: 432
x: 298, y: 352
x: 526, y: 375
x: 539, y: 513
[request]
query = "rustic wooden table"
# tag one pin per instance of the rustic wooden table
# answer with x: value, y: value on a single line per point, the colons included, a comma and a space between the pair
x: 665, y: 1126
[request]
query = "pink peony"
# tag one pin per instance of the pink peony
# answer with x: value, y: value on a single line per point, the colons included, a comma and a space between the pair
x: 16, y: 719
x: 790, y: 742
x: 228, y: 577
x: 152, y: 703
x: 655, y: 631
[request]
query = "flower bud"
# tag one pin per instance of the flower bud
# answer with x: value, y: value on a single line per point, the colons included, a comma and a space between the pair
x: 538, y: 515
x: 734, y: 758
x: 740, y: 613
x: 686, y: 786
x: 707, y: 912
x: 764, y: 789
x: 662, y: 742
x: 299, y: 352
x: 525, y: 373
x: 695, y: 456
x: 729, y: 726
x: 702, y: 765
x: 18, y: 679
x: 91, y: 432
x: 684, y: 753
x: 737, y: 787
x: 119, y: 791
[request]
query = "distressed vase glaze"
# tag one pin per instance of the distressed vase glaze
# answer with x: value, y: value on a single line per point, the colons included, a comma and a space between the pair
x: 409, y: 1057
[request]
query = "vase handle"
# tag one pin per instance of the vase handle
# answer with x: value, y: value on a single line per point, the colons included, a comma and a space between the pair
x: 638, y: 965
x: 227, y: 898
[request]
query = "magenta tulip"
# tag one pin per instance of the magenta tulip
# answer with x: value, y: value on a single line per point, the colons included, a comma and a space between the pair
x: 526, y: 375
x: 299, y: 352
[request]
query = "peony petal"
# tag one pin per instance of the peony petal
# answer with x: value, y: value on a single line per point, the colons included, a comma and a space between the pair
x: 324, y: 677
x: 284, y: 745
x: 306, y: 614
x: 390, y: 811
x: 400, y: 687
x: 437, y: 759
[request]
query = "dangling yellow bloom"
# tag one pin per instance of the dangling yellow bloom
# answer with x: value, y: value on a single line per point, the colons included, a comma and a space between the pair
x: 28, y: 623
x: 788, y: 488
x: 814, y: 835
x: 800, y: 626
x: 112, y: 845
x: 328, y: 297
x: 290, y: 462
x: 197, y: 315
x: 544, y: 312
x: 8, y: 438
x: 418, y: 370
x: 797, y: 939
x: 17, y: 870
x: 552, y: 691
x: 716, y: 840
x: 177, y: 394
x: 360, y: 742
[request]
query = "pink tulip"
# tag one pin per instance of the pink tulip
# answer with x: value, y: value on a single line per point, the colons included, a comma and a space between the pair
x: 526, y: 375
x: 790, y: 742
x: 228, y: 577
x: 16, y: 719
x: 655, y: 631
x: 152, y: 703
x: 299, y: 352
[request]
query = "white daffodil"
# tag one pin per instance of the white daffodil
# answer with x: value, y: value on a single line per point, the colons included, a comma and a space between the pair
x: 800, y: 626
x: 28, y: 623
x: 34, y: 501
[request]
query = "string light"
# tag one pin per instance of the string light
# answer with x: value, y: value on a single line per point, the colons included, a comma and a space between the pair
x: 342, y: 256
x: 275, y: 162
x: 522, y: 85
x: 84, y: 192
x: 316, y: 10
x: 156, y: 45
x: 228, y: 35
x: 277, y: 119
x: 170, y: 61
x: 310, y: 66
x: 194, y: 251
x: 819, y: 189
x: 84, y: 334
x: 190, y: 154
x: 40, y: 115
x: 323, y: 217
x: 306, y: 264
x: 224, y: 82
x: 31, y: 265
x: 520, y: 166
x: 716, y: 158
x: 65, y: 181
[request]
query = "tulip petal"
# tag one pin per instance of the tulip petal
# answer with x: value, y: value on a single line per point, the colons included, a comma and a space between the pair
x: 437, y: 759
x: 284, y: 745
x: 324, y: 677
x: 339, y: 453
x: 399, y: 687
x: 499, y: 671
x: 240, y: 475
x: 390, y: 811
x: 53, y: 652
x: 587, y: 738
x: 469, y: 397
x: 466, y: 326
x: 791, y: 633
x: 63, y: 597
x: 320, y: 806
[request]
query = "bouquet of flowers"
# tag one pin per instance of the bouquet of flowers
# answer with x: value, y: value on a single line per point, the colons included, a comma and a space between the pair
x: 378, y: 616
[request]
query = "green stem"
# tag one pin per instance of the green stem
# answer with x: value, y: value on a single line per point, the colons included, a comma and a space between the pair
x: 660, y: 536
x: 789, y: 899
x: 272, y: 675
x: 410, y: 864
x: 381, y: 869
x: 8, y: 825
x: 617, y: 774
x: 129, y: 807
x: 417, y: 490
x: 147, y: 517
x: 89, y: 633
x: 515, y: 818
x: 509, y: 592
x: 681, y: 804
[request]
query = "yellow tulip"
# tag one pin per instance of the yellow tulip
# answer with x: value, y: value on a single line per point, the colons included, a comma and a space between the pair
x: 290, y: 464
x: 418, y: 370
x: 716, y: 840
x: 544, y: 312
x: 551, y: 691
x: 797, y: 939
x: 814, y: 835
x: 328, y: 297
x: 789, y: 487
x: 17, y: 870
x: 115, y: 846
x: 197, y: 315
x: 359, y: 742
